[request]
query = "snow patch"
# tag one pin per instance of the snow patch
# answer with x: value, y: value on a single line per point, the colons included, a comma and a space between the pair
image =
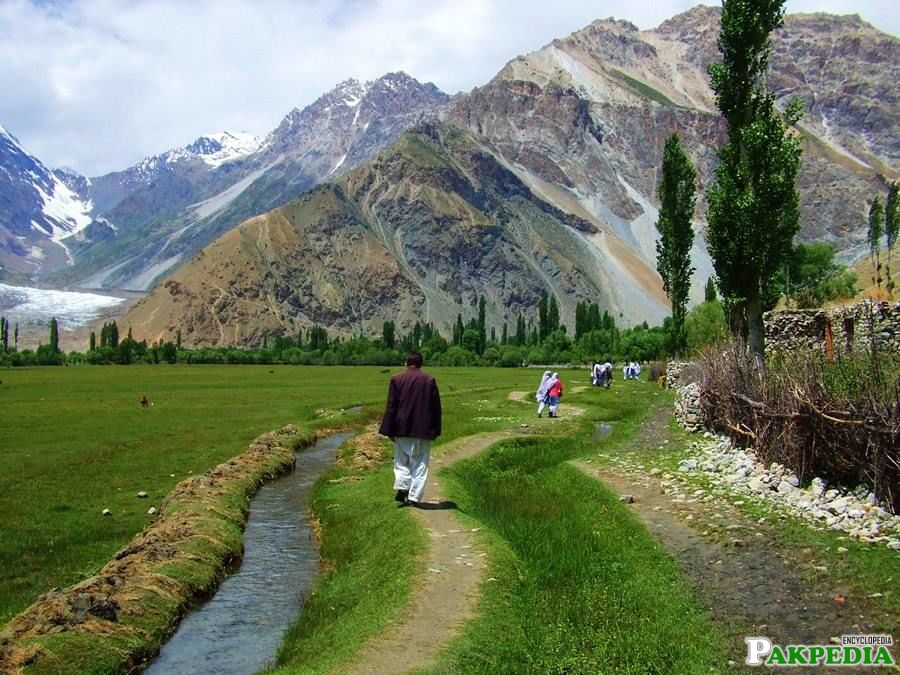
x: 144, y: 280
x: 66, y: 212
x: 36, y: 306
x: 234, y: 145
x: 339, y: 164
x: 218, y: 202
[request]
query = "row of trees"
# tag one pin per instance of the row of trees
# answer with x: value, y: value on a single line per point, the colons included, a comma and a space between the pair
x: 884, y: 224
x: 597, y: 337
x: 4, y: 336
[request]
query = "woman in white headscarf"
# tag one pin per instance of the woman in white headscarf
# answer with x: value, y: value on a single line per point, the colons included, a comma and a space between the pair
x: 554, y: 393
x: 541, y: 394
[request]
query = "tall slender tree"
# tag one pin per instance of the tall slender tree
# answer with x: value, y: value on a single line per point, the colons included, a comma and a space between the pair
x: 54, y: 336
x: 4, y: 334
x: 891, y: 227
x: 543, y: 326
x: 876, y: 231
x: 552, y: 316
x: 709, y: 291
x: 482, y: 327
x: 388, y: 334
x: 676, y: 234
x: 92, y: 342
x: 753, y: 204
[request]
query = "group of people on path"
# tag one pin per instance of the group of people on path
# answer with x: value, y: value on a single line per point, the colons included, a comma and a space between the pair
x: 549, y: 393
x: 601, y: 374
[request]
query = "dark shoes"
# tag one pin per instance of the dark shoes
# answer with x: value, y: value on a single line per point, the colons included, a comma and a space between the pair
x: 401, y: 496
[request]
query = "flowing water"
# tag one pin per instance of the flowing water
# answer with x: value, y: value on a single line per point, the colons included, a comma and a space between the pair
x: 239, y: 629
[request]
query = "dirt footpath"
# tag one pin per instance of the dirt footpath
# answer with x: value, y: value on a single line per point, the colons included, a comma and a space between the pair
x: 747, y: 584
x: 447, y: 594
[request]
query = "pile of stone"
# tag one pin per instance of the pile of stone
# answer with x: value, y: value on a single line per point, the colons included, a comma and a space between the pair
x: 687, y: 407
x: 674, y: 372
x: 857, y: 512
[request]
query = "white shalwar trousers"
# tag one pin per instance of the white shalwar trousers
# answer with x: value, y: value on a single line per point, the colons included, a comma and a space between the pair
x: 411, y: 465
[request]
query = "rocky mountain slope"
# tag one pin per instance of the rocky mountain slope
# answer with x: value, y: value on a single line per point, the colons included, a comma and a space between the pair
x: 417, y: 233
x: 38, y: 209
x: 578, y: 127
x: 143, y: 221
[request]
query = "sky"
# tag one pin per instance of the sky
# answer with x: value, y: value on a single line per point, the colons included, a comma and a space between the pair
x: 97, y: 85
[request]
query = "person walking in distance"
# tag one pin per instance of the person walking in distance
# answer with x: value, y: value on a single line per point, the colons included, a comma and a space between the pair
x: 541, y: 394
x: 555, y: 392
x: 412, y: 419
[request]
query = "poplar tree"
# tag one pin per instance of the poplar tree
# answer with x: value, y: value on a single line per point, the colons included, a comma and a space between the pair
x: 92, y: 342
x: 388, y: 334
x: 54, y: 336
x: 482, y: 328
x: 543, y: 326
x: 580, y: 319
x: 552, y: 316
x: 676, y: 234
x: 876, y: 230
x: 754, y: 208
x: 4, y: 334
x: 709, y: 292
x: 891, y: 227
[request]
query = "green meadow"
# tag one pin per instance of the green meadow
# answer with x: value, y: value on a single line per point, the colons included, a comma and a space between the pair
x: 75, y: 441
x: 580, y: 578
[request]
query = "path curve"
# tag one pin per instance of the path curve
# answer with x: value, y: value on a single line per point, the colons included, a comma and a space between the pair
x: 447, y: 594
x: 565, y: 409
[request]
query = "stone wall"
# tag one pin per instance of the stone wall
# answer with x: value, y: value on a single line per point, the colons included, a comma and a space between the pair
x: 838, y: 329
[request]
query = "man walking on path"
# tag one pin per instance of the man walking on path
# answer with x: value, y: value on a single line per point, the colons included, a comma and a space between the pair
x: 412, y: 419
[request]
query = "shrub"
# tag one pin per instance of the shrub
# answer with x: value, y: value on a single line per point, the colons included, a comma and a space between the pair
x: 839, y: 420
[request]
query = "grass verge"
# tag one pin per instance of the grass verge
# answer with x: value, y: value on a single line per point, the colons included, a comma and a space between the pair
x: 576, y: 583
x: 868, y: 572
x: 371, y: 549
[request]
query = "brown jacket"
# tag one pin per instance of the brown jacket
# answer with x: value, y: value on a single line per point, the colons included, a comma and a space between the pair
x: 413, y: 406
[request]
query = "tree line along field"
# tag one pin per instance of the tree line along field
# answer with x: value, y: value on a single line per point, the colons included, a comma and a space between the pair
x: 75, y: 441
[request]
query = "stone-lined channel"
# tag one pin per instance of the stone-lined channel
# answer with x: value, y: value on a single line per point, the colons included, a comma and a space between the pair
x: 239, y: 629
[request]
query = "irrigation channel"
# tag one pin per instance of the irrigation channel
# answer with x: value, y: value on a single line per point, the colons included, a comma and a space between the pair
x: 239, y: 629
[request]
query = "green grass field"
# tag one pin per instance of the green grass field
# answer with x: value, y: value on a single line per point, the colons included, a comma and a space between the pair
x: 74, y: 441
x: 580, y: 576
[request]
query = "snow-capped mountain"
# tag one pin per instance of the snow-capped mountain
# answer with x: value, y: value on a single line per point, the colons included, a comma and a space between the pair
x: 213, y: 150
x: 39, y: 211
x: 167, y: 207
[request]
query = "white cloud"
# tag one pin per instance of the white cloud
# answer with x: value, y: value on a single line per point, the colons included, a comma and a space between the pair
x: 99, y: 84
